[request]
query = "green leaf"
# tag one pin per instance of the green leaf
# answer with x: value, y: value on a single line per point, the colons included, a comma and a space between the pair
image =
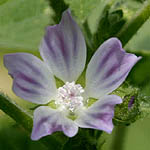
x: 82, y: 8
x: 130, y: 7
x: 58, y: 8
x: 122, y: 20
x: 3, y: 1
x: 22, y: 23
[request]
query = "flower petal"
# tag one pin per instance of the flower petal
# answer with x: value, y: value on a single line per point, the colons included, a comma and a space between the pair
x: 100, y: 114
x: 63, y: 49
x: 47, y: 121
x: 108, y: 68
x: 32, y: 78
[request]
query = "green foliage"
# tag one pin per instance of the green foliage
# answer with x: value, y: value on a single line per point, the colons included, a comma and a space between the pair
x: 141, y: 1
x: 140, y: 42
x: 58, y: 6
x: 15, y: 138
x: 128, y: 6
x: 86, y: 139
x: 22, y: 26
x: 22, y: 23
x: 109, y: 25
x: 132, y: 26
x: 82, y: 8
x: 16, y: 112
x: 128, y: 111
x: 140, y: 76
x: 144, y: 106
x: 135, y: 105
x: 3, y: 1
x: 25, y: 121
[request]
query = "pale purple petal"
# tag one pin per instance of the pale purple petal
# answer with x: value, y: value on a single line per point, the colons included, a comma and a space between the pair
x: 48, y: 120
x: 108, y: 68
x: 63, y: 49
x: 99, y: 115
x: 32, y: 79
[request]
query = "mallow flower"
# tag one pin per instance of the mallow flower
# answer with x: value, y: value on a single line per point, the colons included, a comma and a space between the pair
x: 63, y: 51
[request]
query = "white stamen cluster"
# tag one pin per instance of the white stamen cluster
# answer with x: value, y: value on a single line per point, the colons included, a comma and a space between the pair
x: 70, y: 96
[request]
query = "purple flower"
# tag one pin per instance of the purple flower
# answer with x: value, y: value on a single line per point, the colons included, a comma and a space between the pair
x: 63, y: 51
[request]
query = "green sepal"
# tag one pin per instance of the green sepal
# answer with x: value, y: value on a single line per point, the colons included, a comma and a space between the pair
x: 124, y: 113
x: 138, y: 109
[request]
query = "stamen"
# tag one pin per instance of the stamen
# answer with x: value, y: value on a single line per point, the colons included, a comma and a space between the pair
x: 70, y: 96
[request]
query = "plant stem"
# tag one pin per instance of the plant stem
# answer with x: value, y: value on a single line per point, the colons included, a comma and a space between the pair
x: 15, y: 112
x: 26, y: 121
x: 119, y: 138
x: 132, y: 26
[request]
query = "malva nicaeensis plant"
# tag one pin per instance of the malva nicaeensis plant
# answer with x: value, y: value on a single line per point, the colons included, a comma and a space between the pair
x: 133, y: 107
x: 63, y: 50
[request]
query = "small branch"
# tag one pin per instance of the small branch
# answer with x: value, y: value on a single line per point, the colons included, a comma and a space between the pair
x: 133, y: 25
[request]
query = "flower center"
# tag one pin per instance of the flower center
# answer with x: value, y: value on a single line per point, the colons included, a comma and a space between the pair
x: 70, y: 96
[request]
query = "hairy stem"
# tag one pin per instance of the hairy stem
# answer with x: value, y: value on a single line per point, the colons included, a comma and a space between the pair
x: 26, y: 121
x: 15, y: 112
x: 132, y: 26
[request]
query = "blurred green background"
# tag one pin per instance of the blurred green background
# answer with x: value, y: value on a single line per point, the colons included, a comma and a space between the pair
x: 22, y: 24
